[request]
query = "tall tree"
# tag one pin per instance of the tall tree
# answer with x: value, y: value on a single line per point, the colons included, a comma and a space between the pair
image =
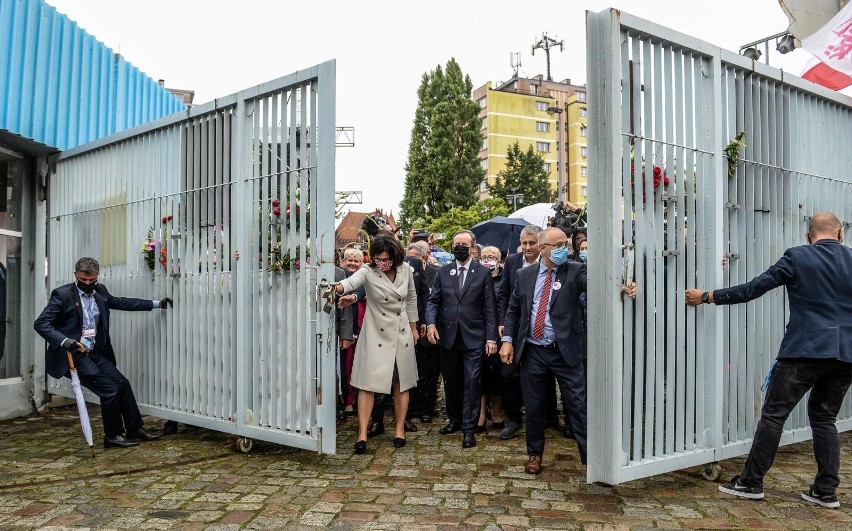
x: 524, y: 174
x: 443, y: 169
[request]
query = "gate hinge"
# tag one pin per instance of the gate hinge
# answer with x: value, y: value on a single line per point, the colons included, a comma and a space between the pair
x: 671, y: 253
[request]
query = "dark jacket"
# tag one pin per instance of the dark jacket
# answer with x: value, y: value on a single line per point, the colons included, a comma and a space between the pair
x: 514, y: 263
x: 63, y: 318
x: 344, y: 319
x: 420, y: 285
x: 470, y: 312
x: 818, y: 278
x: 566, y: 316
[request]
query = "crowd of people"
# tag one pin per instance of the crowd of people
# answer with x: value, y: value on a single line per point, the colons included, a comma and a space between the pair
x: 502, y: 333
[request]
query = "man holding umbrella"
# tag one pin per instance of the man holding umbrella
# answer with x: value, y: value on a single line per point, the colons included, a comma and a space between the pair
x: 76, y: 320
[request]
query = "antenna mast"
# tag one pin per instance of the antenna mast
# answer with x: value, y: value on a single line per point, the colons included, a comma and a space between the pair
x: 515, y: 61
x: 546, y: 43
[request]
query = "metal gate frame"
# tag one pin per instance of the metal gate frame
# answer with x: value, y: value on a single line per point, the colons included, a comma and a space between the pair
x: 669, y: 386
x: 246, y: 349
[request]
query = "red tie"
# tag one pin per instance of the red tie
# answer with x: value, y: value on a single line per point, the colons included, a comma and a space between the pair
x: 543, y: 301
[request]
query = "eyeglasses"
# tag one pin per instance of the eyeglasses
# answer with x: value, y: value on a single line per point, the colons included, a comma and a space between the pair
x: 491, y: 257
x: 557, y: 244
x: 384, y: 260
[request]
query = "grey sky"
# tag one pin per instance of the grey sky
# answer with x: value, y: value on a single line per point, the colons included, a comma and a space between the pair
x: 382, y: 49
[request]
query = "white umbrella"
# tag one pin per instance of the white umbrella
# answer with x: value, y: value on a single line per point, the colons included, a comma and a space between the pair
x: 81, y: 404
x: 537, y: 214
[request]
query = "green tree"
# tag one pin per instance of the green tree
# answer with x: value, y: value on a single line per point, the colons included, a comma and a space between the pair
x: 524, y: 174
x: 443, y: 169
x: 457, y: 218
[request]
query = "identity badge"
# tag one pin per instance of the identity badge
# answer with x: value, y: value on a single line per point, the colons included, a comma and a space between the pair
x: 557, y: 286
x: 452, y: 272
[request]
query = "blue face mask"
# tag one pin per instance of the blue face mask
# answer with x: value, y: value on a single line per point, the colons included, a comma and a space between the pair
x: 559, y: 255
x: 584, y: 255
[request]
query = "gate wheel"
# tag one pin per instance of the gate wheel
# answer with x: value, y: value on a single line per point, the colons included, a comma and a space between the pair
x: 244, y: 444
x: 711, y: 471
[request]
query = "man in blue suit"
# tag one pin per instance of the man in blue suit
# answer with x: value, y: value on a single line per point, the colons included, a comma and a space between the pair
x: 815, y: 354
x: 461, y: 317
x: 76, y: 319
x: 543, y: 332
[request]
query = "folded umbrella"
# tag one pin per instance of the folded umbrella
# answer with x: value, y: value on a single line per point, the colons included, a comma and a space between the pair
x: 501, y: 232
x: 81, y: 404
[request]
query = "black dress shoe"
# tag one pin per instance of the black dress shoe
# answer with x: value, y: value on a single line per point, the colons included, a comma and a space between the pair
x: 409, y: 426
x: 375, y: 429
x: 120, y: 441
x: 469, y: 440
x: 360, y: 447
x: 452, y: 427
x: 398, y: 442
x: 498, y: 425
x: 143, y: 435
x: 426, y: 419
x: 170, y: 427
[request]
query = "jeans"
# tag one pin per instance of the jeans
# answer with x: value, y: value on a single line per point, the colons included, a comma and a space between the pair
x: 828, y: 380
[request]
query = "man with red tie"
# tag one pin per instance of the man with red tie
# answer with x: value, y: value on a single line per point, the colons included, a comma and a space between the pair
x: 544, y: 331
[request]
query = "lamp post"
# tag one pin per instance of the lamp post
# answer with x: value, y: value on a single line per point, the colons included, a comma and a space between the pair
x: 559, y: 148
x: 515, y: 198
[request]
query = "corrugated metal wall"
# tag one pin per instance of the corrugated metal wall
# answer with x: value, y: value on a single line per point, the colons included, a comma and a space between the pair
x: 62, y: 87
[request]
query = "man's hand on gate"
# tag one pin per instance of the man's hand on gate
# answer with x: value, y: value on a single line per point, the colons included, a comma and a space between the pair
x: 507, y: 352
x: 165, y: 303
x: 70, y: 344
x: 693, y: 297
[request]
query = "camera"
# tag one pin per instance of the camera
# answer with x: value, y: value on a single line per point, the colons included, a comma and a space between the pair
x: 568, y: 221
x: 419, y: 235
x: 372, y: 225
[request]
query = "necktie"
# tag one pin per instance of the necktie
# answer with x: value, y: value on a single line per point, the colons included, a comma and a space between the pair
x: 543, y: 302
x: 461, y: 278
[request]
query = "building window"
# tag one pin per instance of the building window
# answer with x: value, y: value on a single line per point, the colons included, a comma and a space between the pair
x: 484, y: 143
x: 542, y: 127
x: 482, y: 102
x: 585, y: 191
x: 484, y: 122
x: 543, y: 147
x: 541, y: 105
x: 584, y: 171
x: 581, y: 96
x: 583, y: 131
x: 584, y: 151
x: 546, y: 167
x: 483, y: 187
x: 483, y: 163
x: 583, y: 112
x: 533, y: 89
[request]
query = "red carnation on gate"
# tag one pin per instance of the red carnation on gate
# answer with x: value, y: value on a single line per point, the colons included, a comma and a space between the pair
x: 165, y: 219
x: 277, y: 212
x: 170, y: 217
x: 275, y: 202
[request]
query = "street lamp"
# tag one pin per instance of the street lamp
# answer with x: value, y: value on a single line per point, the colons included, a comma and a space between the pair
x: 515, y: 198
x: 558, y: 112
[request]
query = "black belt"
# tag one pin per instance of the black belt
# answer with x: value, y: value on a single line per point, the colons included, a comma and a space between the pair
x: 549, y: 346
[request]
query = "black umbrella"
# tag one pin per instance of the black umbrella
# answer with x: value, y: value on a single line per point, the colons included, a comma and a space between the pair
x: 501, y: 232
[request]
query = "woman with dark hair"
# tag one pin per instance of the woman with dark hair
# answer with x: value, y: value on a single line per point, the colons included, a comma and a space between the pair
x: 384, y: 355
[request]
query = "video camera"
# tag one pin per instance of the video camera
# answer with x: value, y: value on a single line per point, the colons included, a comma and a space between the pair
x: 373, y: 224
x: 568, y: 221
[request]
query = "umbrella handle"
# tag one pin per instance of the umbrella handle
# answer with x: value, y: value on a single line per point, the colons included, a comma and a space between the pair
x: 71, y: 360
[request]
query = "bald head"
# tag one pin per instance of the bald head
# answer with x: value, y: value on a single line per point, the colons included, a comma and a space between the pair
x: 825, y: 225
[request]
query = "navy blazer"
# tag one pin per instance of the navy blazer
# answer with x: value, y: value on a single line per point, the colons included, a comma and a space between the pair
x: 514, y: 263
x: 63, y: 318
x: 566, y: 316
x: 471, y: 313
x: 818, y: 278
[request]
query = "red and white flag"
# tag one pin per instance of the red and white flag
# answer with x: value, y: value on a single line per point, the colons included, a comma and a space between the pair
x: 832, y: 45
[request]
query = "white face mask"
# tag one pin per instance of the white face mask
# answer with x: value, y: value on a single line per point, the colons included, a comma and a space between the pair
x: 490, y: 264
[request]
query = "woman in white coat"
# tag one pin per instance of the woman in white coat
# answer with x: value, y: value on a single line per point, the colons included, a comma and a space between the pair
x: 384, y: 355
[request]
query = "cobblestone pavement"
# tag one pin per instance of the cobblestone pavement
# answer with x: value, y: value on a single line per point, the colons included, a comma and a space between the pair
x: 196, y: 480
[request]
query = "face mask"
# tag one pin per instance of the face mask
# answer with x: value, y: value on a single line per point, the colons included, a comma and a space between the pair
x: 461, y: 253
x: 86, y: 287
x: 559, y: 255
x: 384, y: 266
x: 584, y: 255
x: 490, y: 264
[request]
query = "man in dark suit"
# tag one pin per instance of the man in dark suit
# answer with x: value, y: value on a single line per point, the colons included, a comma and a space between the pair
x: 426, y: 396
x: 513, y: 402
x: 543, y: 331
x: 815, y: 354
x: 461, y: 319
x: 76, y: 319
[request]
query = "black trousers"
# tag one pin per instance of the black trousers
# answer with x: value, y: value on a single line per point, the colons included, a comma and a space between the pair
x: 539, y: 364
x: 425, y: 398
x: 462, y: 372
x: 118, y: 405
x: 828, y: 380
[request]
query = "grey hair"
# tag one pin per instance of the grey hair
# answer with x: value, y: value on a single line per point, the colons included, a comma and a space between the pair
x: 350, y: 252
x: 531, y: 230
x: 424, y: 247
x: 87, y: 265
x: 416, y: 248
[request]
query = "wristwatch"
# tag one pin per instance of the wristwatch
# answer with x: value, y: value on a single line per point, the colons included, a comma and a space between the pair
x: 705, y: 297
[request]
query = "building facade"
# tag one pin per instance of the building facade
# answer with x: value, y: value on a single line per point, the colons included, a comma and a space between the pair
x: 542, y: 114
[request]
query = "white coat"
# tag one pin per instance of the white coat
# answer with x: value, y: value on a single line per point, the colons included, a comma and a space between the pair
x: 385, y: 337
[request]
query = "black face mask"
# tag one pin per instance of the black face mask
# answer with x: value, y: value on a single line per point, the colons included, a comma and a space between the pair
x: 461, y: 253
x: 87, y: 288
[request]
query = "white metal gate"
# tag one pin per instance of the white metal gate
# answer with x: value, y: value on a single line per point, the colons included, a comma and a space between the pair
x: 672, y: 386
x: 246, y: 348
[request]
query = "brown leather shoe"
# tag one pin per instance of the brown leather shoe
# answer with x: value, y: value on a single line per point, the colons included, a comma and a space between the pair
x: 533, y: 465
